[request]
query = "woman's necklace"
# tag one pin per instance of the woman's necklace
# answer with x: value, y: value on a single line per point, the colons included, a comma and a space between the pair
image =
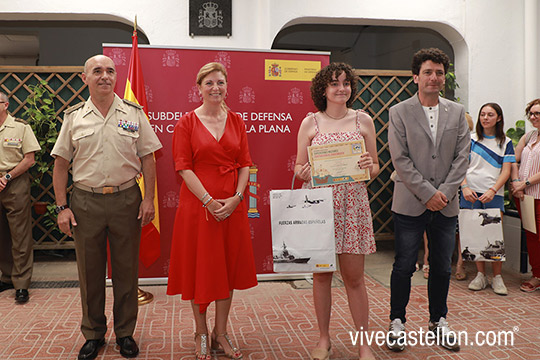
x: 336, y: 118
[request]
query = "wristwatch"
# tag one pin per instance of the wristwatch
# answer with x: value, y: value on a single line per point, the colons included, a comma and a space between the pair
x: 8, y: 177
x: 59, y: 209
x: 527, y: 182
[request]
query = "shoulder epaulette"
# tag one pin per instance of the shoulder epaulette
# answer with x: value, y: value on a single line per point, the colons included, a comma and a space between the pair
x: 21, y: 121
x: 74, y: 107
x: 132, y: 103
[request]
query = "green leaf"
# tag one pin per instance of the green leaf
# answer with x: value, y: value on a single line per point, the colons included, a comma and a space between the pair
x: 516, y: 133
x: 41, y: 115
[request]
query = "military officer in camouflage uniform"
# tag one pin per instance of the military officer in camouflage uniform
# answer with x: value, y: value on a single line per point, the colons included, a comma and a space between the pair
x: 16, y: 244
x: 109, y: 141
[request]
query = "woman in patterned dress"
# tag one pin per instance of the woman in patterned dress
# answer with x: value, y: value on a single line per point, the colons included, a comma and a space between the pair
x: 332, y: 91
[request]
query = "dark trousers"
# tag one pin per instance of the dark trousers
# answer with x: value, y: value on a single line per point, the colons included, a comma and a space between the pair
x: 16, y: 242
x: 409, y: 230
x: 114, y: 217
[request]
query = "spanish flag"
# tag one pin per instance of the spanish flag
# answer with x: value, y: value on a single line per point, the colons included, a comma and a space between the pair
x: 150, y: 236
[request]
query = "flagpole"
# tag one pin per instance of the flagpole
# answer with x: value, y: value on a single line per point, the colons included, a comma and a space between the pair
x: 143, y: 297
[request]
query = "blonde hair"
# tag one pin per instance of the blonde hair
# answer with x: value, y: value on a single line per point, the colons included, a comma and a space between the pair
x: 209, y: 68
x: 530, y: 105
x: 469, y: 119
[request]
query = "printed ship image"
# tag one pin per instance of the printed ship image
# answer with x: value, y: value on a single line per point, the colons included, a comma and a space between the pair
x: 493, y: 251
x: 467, y: 255
x: 284, y: 256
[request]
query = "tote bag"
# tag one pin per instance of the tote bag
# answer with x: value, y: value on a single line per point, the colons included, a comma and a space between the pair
x: 303, y: 230
x: 481, y: 235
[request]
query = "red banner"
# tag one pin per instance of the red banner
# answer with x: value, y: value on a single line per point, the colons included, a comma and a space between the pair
x: 271, y: 92
x: 136, y: 92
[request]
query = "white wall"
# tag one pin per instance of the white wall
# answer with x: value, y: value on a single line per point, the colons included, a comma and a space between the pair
x: 487, y: 35
x: 496, y: 50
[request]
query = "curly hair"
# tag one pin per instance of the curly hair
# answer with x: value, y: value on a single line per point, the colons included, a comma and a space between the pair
x: 433, y: 54
x: 323, y: 78
x: 499, y: 126
x: 530, y: 105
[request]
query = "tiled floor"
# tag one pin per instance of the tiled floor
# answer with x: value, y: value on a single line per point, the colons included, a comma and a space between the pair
x: 275, y: 320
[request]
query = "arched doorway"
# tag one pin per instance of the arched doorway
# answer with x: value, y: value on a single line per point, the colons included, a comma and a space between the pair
x: 382, y: 58
x: 59, y: 43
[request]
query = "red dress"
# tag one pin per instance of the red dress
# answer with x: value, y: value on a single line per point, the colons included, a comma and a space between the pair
x: 210, y: 258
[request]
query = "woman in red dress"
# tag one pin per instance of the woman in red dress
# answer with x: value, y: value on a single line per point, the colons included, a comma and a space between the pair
x: 211, y: 252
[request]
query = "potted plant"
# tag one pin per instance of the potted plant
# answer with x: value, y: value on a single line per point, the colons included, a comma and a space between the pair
x: 41, y: 116
x: 514, y: 134
x: 451, y: 84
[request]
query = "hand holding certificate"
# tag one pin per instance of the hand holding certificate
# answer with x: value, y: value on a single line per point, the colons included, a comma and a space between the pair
x: 337, y: 163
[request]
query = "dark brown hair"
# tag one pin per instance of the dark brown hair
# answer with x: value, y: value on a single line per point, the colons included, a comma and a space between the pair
x: 499, y: 126
x: 433, y: 54
x: 324, y: 77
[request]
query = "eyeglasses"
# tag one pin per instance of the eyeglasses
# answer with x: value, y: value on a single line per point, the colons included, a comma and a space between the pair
x: 535, y: 114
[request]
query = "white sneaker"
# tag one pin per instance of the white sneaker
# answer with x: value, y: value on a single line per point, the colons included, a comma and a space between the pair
x: 498, y: 286
x: 480, y: 282
x: 445, y: 336
x: 395, y: 340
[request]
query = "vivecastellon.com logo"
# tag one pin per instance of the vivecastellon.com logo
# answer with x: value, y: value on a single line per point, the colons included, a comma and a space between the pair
x: 429, y: 338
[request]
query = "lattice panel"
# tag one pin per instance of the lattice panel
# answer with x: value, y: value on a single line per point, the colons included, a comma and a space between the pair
x: 66, y: 84
x: 377, y: 92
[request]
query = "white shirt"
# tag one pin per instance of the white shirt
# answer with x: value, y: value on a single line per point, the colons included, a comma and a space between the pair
x: 432, y: 114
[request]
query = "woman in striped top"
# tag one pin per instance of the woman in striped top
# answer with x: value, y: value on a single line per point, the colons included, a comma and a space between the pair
x: 528, y: 182
x: 490, y: 162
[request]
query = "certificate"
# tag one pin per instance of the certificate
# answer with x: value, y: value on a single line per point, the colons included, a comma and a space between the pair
x: 337, y: 163
x: 527, y: 213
